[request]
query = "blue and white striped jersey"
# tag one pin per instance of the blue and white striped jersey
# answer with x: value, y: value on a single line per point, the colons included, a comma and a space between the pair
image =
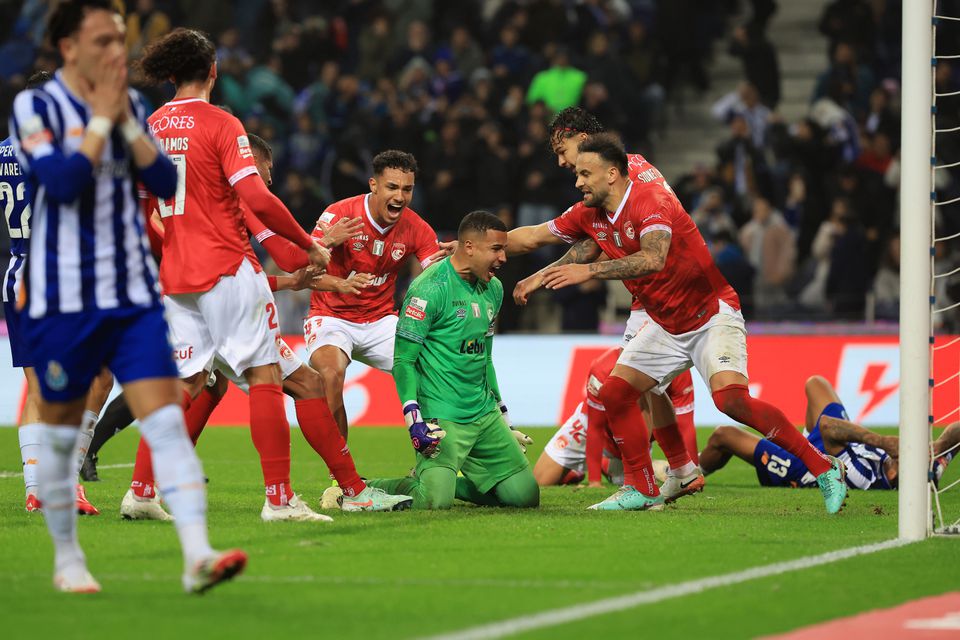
x: 15, y: 200
x: 88, y: 249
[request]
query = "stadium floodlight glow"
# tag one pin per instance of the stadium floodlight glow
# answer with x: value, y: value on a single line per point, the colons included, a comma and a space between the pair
x: 916, y: 237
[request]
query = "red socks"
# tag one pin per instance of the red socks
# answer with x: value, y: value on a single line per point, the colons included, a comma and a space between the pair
x: 198, y: 413
x: 320, y: 430
x: 625, y: 421
x: 688, y: 431
x: 672, y: 443
x: 735, y: 401
x: 271, y: 437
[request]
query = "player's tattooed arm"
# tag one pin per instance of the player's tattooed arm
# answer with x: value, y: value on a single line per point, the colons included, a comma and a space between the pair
x: 839, y: 433
x: 580, y: 252
x: 651, y: 258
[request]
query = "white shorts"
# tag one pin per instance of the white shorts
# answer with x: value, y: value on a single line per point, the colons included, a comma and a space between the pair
x: 234, y: 322
x: 370, y: 343
x: 289, y: 362
x: 719, y: 345
x: 568, y: 446
x: 634, y: 322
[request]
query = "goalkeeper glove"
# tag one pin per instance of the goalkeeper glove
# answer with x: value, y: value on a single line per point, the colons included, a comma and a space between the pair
x: 522, y: 439
x: 425, y: 438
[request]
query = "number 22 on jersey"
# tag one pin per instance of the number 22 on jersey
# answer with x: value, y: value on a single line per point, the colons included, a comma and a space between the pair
x: 9, y: 200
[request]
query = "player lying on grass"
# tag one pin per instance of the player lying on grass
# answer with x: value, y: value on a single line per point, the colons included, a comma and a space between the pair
x: 443, y: 369
x: 870, y: 458
x: 584, y: 444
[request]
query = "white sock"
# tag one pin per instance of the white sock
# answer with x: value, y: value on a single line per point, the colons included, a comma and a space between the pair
x: 29, y: 435
x: 87, y: 425
x: 57, y: 477
x: 179, y: 478
x: 686, y: 470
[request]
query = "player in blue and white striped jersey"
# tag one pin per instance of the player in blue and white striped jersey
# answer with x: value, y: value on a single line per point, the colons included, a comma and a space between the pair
x: 869, y: 459
x: 92, y: 295
x: 15, y: 200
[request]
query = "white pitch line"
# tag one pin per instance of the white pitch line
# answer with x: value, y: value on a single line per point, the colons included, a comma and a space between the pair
x: 19, y: 474
x: 562, y: 615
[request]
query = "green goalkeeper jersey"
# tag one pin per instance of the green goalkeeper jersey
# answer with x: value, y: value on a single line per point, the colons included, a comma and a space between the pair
x: 443, y: 346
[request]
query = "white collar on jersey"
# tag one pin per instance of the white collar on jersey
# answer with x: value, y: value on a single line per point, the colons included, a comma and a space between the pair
x: 626, y: 194
x: 373, y: 223
x: 186, y: 100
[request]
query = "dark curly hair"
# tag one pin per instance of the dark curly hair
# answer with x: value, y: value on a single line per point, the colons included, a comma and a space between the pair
x: 479, y: 222
x: 67, y: 16
x: 572, y: 121
x: 183, y: 55
x: 393, y: 159
x: 608, y: 147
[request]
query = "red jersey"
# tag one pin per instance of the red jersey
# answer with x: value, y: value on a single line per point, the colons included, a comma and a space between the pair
x: 376, y: 250
x: 687, y: 292
x: 203, y: 238
x: 640, y: 170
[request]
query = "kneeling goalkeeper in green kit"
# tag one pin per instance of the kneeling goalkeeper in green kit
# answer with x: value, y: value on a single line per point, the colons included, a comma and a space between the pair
x: 443, y: 369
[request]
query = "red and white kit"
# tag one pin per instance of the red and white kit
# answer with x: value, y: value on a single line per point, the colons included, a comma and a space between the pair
x: 207, y: 276
x: 695, y: 317
x: 363, y: 325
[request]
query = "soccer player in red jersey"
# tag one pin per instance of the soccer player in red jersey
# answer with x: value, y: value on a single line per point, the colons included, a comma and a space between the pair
x: 341, y: 328
x: 695, y: 320
x: 300, y: 382
x: 584, y: 442
x: 218, y: 303
x: 665, y: 413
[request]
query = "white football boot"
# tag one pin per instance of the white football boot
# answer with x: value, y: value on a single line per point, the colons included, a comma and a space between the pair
x: 136, y: 508
x: 75, y: 578
x: 295, y: 509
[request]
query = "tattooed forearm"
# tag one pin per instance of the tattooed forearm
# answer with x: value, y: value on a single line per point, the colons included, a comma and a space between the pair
x: 650, y: 259
x: 581, y: 252
x: 842, y: 432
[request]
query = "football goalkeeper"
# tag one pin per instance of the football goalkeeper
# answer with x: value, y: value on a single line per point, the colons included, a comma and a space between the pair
x: 443, y: 370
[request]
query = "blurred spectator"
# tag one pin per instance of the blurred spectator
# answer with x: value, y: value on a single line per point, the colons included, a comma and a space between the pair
x: 741, y: 164
x: 711, y: 216
x: 374, y: 47
x: 846, y: 81
x: 760, y: 65
x: 145, y: 24
x: 560, y: 85
x: 814, y: 293
x: 849, y: 278
x: 769, y: 245
x: 850, y: 21
x: 745, y: 102
x: 886, y: 285
x: 735, y: 268
x: 300, y: 199
x: 580, y: 306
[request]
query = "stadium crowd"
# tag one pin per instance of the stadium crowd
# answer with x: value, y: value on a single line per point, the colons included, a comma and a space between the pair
x: 801, y: 216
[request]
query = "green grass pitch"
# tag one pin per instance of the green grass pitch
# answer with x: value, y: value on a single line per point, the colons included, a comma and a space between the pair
x: 410, y: 574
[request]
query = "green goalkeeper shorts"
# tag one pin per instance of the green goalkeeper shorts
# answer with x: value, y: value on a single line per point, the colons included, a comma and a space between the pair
x: 485, y: 451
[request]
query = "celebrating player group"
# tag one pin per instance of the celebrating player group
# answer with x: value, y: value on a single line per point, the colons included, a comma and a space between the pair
x: 104, y: 190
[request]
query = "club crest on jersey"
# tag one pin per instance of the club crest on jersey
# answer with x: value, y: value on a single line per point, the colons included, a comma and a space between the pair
x: 378, y: 247
x: 489, y: 313
x: 398, y: 250
x: 55, y: 377
x: 628, y: 229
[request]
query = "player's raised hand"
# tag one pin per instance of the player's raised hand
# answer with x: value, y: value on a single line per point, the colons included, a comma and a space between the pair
x: 424, y: 437
x: 566, y: 275
x: 319, y: 255
x: 338, y: 233
x: 524, y: 288
x: 446, y: 249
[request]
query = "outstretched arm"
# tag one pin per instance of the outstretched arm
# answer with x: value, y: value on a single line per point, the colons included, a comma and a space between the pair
x: 580, y: 252
x: 651, y: 259
x: 526, y: 239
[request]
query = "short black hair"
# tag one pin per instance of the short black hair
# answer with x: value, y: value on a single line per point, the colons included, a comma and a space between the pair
x: 183, y: 55
x: 572, y: 121
x: 479, y: 222
x: 38, y: 78
x: 608, y: 147
x: 67, y: 16
x: 394, y: 159
x: 260, y: 145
